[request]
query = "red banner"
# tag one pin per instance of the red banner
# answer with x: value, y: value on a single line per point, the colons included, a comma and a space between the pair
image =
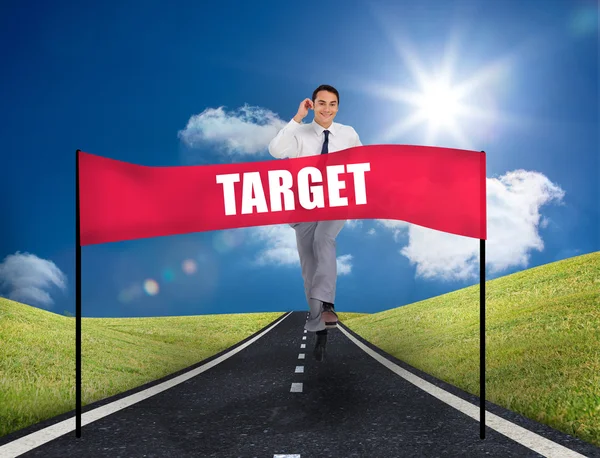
x: 439, y: 188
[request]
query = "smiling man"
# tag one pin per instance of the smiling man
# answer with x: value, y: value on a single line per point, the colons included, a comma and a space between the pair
x: 316, y: 240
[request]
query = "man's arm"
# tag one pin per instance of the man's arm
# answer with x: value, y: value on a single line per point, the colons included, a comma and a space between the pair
x: 285, y: 143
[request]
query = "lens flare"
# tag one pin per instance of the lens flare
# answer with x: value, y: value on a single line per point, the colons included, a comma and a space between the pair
x: 225, y: 241
x: 189, y: 266
x: 131, y: 293
x: 151, y: 287
x: 168, y: 275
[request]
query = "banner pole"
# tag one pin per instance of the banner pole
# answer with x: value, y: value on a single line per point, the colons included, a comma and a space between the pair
x: 482, y: 338
x: 77, y: 300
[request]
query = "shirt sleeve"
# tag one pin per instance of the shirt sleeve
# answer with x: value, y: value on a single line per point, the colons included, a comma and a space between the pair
x: 285, y: 143
x: 357, y: 141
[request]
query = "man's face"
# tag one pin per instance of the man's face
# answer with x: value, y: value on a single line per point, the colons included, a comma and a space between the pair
x: 325, y: 107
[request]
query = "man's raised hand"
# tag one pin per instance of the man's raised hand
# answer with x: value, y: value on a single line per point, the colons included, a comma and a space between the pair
x: 303, y: 108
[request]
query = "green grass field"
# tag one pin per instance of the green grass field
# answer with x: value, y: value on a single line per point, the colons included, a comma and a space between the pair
x: 543, y: 336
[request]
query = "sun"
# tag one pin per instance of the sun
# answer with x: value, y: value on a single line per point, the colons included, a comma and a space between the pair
x: 439, y: 104
x: 448, y: 112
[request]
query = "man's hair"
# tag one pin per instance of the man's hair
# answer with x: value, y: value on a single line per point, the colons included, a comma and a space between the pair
x: 328, y: 88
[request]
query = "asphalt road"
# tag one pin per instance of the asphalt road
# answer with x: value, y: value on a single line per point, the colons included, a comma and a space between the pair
x: 267, y: 400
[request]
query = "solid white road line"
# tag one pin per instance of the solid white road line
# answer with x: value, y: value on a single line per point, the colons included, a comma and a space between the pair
x: 296, y: 388
x: 286, y: 456
x: 529, y: 439
x: 299, y: 369
x: 33, y: 440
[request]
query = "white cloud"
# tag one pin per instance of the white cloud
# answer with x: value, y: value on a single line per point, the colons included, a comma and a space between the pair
x: 513, y: 210
x: 353, y: 223
x: 247, y: 130
x: 279, y: 245
x: 397, y: 228
x: 371, y: 231
x: 344, y: 264
x: 25, y: 278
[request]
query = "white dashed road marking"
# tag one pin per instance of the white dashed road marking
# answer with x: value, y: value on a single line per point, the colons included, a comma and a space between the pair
x: 296, y: 388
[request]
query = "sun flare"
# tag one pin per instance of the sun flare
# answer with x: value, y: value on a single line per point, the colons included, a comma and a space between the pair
x: 441, y: 110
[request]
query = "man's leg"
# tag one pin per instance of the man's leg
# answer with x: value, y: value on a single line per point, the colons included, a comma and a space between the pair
x: 324, y: 281
x: 305, y: 233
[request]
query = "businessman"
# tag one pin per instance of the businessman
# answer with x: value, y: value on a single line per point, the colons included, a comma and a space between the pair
x: 316, y: 240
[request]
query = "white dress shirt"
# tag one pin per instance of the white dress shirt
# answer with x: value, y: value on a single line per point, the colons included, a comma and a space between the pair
x: 299, y: 139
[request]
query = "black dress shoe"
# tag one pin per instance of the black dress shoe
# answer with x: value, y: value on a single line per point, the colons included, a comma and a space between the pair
x: 319, y: 351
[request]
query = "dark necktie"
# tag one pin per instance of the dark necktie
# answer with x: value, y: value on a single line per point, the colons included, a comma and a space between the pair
x: 325, y: 148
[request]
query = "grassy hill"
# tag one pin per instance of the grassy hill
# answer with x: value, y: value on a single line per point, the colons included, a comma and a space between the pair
x: 543, y: 336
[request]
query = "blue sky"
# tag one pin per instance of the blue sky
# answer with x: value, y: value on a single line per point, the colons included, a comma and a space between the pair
x: 137, y: 81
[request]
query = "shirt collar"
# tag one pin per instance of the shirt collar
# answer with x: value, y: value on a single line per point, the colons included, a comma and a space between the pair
x: 319, y: 129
